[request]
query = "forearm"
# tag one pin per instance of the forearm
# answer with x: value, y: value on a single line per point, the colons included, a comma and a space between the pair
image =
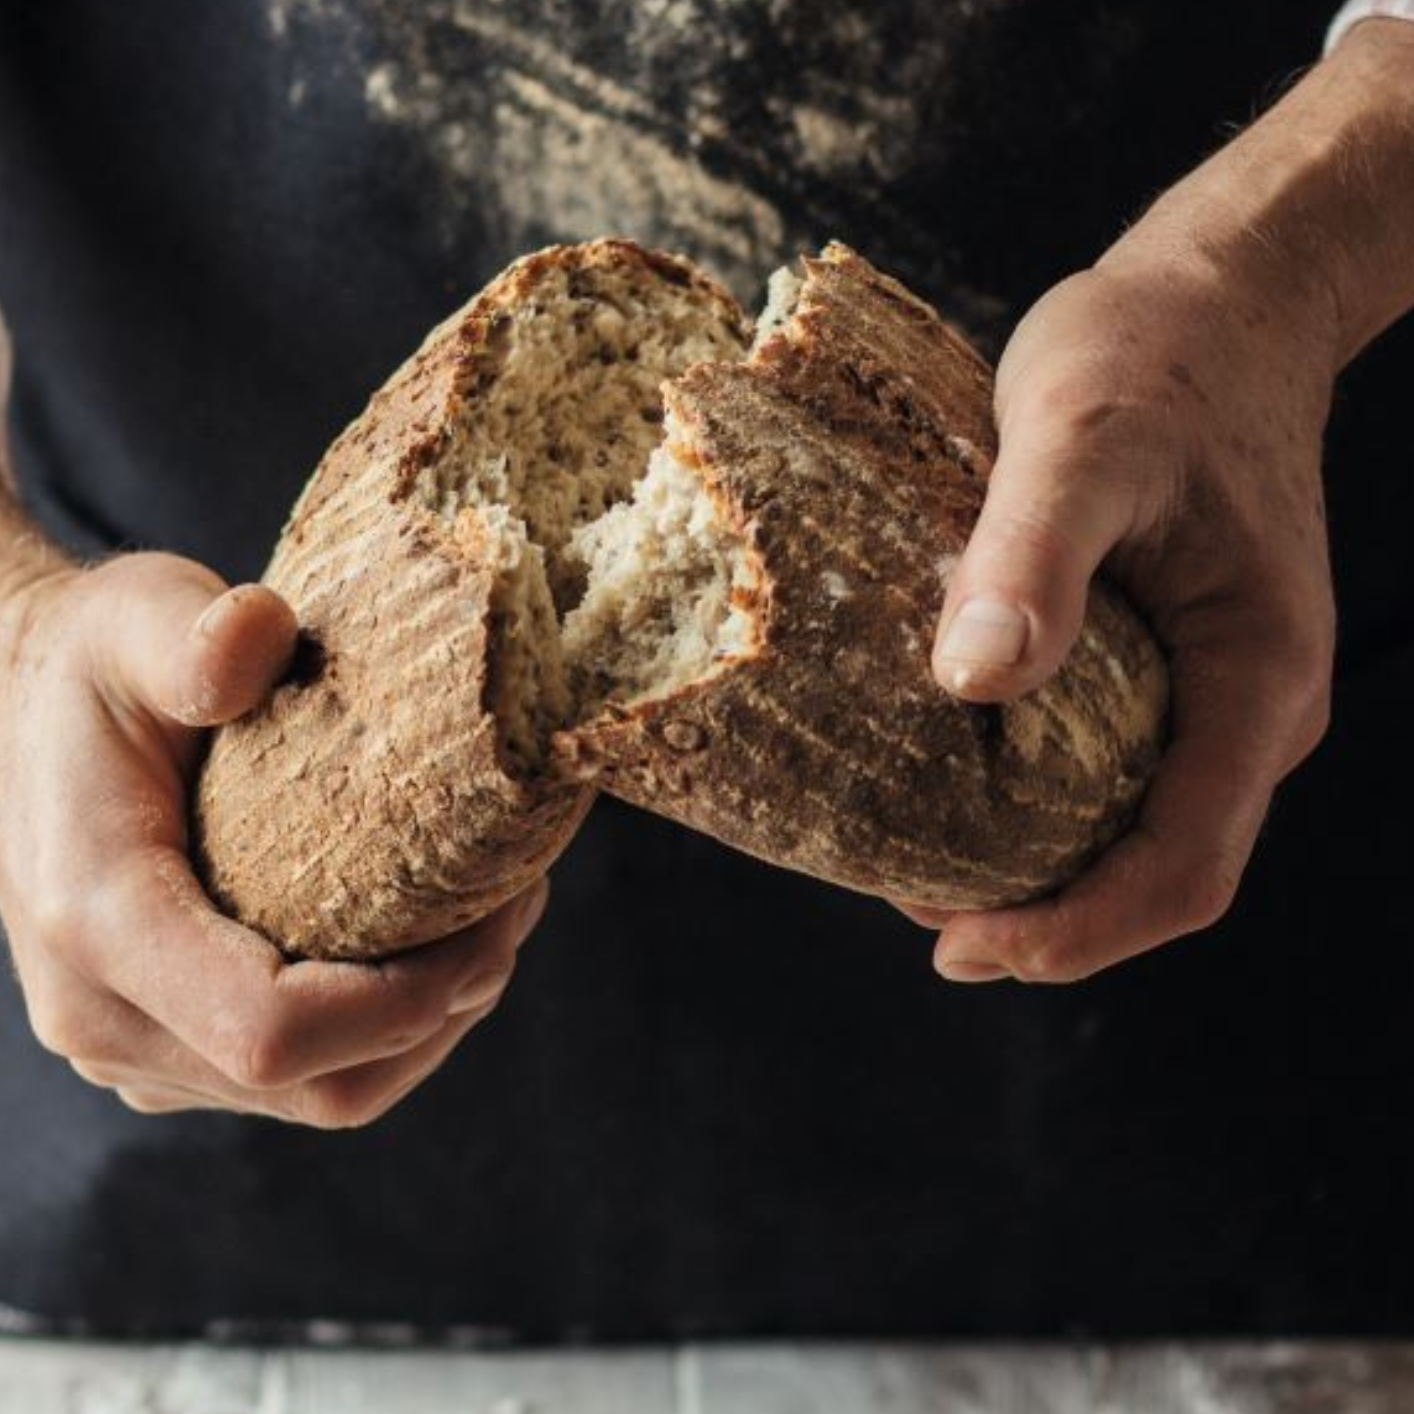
x: 25, y: 553
x: 1314, y: 204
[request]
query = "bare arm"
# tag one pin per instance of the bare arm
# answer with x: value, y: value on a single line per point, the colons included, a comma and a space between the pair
x: 1314, y: 201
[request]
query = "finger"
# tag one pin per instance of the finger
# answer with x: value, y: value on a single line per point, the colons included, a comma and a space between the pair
x: 161, y: 1076
x: 161, y: 1100
x: 239, y: 649
x: 124, y: 1051
x: 362, y: 1094
x: 341, y: 1100
x: 178, y: 643
x: 1016, y: 599
x: 1178, y: 868
x: 261, y: 1021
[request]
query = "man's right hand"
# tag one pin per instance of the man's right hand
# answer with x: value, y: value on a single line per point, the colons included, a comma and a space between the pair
x: 107, y: 677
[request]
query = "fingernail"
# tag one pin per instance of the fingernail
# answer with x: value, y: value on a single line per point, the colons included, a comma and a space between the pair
x: 214, y: 615
x: 960, y: 970
x: 984, y: 633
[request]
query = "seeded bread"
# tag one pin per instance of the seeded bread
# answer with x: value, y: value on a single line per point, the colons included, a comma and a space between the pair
x: 518, y: 590
x: 850, y: 455
x: 387, y: 795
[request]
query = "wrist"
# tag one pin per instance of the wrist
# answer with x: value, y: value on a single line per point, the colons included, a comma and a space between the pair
x: 1310, y: 212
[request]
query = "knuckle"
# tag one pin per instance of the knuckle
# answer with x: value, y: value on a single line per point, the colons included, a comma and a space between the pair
x: 1316, y: 724
x: 1307, y: 698
x: 1307, y: 655
x: 74, y: 930
x: 1052, y: 950
x: 104, y: 1076
x: 337, y: 1103
x: 73, y: 1033
x: 413, y: 1013
x: 1300, y: 627
x: 259, y: 1057
x: 482, y: 994
x: 97, y: 1047
x: 150, y: 1102
x: 1084, y: 409
x: 53, y: 923
x: 57, y: 1027
x: 1294, y: 645
x: 1036, y: 537
x: 1206, y: 893
x: 1071, y: 397
x: 1054, y: 960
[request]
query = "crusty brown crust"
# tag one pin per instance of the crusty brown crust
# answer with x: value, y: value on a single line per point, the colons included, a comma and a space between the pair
x: 368, y: 807
x: 852, y: 451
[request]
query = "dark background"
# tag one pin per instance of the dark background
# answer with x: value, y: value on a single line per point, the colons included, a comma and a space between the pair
x: 718, y: 1099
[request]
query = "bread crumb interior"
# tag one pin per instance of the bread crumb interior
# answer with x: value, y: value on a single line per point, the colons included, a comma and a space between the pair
x: 618, y: 578
x: 782, y: 292
x: 667, y: 585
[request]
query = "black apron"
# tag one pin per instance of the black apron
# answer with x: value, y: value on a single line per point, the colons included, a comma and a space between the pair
x: 718, y: 1098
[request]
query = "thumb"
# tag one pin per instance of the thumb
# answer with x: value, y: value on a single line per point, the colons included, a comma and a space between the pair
x: 1016, y: 598
x: 182, y: 645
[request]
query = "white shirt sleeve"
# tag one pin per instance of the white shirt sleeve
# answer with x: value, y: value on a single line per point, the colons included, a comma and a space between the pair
x: 1356, y: 10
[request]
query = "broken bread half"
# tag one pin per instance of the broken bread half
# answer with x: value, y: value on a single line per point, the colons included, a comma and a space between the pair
x: 594, y: 537
x: 393, y: 790
x: 847, y: 458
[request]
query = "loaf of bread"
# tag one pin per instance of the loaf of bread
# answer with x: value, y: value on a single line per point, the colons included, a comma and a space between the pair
x: 592, y: 536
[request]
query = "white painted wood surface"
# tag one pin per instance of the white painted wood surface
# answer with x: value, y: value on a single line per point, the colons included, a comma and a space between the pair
x: 52, y: 1377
